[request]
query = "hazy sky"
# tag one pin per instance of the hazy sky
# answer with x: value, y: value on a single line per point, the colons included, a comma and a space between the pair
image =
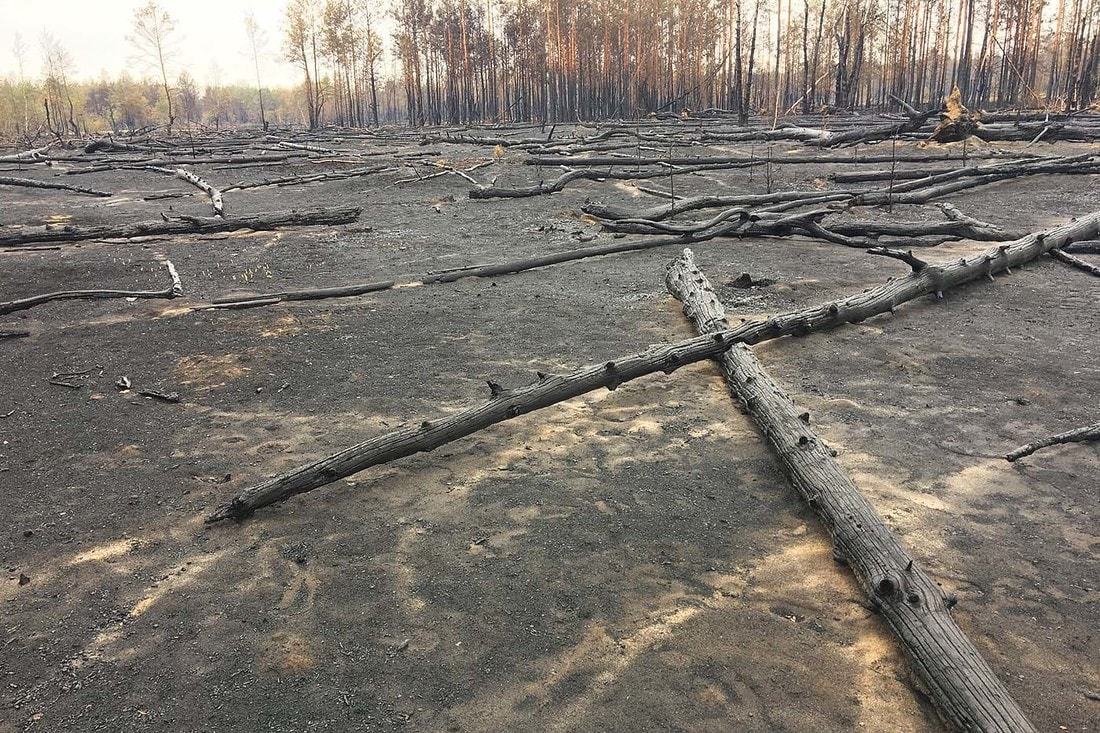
x: 94, y: 32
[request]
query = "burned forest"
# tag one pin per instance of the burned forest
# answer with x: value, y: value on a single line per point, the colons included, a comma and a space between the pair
x: 564, y: 365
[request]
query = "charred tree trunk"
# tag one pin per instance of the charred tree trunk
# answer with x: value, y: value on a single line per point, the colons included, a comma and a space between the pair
x: 175, y: 290
x: 959, y: 681
x: 179, y: 225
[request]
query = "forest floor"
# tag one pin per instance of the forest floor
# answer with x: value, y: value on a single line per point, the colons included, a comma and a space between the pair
x: 628, y: 560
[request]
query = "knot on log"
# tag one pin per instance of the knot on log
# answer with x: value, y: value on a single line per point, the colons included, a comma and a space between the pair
x: 887, y: 588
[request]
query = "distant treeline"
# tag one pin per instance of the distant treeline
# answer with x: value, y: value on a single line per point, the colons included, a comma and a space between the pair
x: 460, y: 61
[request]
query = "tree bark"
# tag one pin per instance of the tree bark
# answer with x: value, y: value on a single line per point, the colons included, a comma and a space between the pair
x: 959, y: 681
x: 549, y: 390
x: 180, y: 225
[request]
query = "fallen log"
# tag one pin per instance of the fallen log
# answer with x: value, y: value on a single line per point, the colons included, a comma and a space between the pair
x: 180, y: 225
x: 185, y: 175
x: 32, y: 183
x: 769, y: 223
x: 778, y: 158
x: 1077, y: 262
x: 903, y: 174
x: 1083, y: 248
x: 487, y: 270
x: 108, y: 145
x: 708, y: 201
x: 559, y: 183
x: 919, y: 191
x: 1086, y: 434
x: 310, y: 178
x: 174, y: 290
x: 551, y: 389
x: 960, y: 683
x: 139, y: 163
x: 27, y: 156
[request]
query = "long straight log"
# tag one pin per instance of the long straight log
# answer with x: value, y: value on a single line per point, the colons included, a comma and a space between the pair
x: 32, y: 183
x: 551, y: 389
x: 782, y: 158
x: 493, y: 269
x: 175, y: 290
x: 311, y: 178
x: 919, y: 191
x: 959, y: 681
x: 138, y: 163
x: 180, y: 225
x: 1085, y: 434
x: 27, y: 156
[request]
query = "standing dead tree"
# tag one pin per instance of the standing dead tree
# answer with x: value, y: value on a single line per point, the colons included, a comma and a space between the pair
x: 153, y: 36
x: 959, y: 681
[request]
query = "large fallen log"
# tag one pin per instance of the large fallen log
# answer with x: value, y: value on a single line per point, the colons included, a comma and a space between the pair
x: 183, y: 174
x: 32, y: 183
x: 551, y: 389
x: 1086, y: 434
x: 179, y: 225
x: 809, y: 223
x: 777, y: 158
x: 27, y: 156
x: 961, y: 684
x: 140, y: 163
x: 174, y: 290
x: 919, y: 191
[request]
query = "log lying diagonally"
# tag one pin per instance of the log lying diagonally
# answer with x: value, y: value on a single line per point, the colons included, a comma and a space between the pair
x: 32, y: 183
x: 175, y: 290
x: 185, y: 175
x: 179, y: 225
x: 551, y: 389
x: 1077, y: 262
x: 1085, y: 434
x: 959, y: 681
